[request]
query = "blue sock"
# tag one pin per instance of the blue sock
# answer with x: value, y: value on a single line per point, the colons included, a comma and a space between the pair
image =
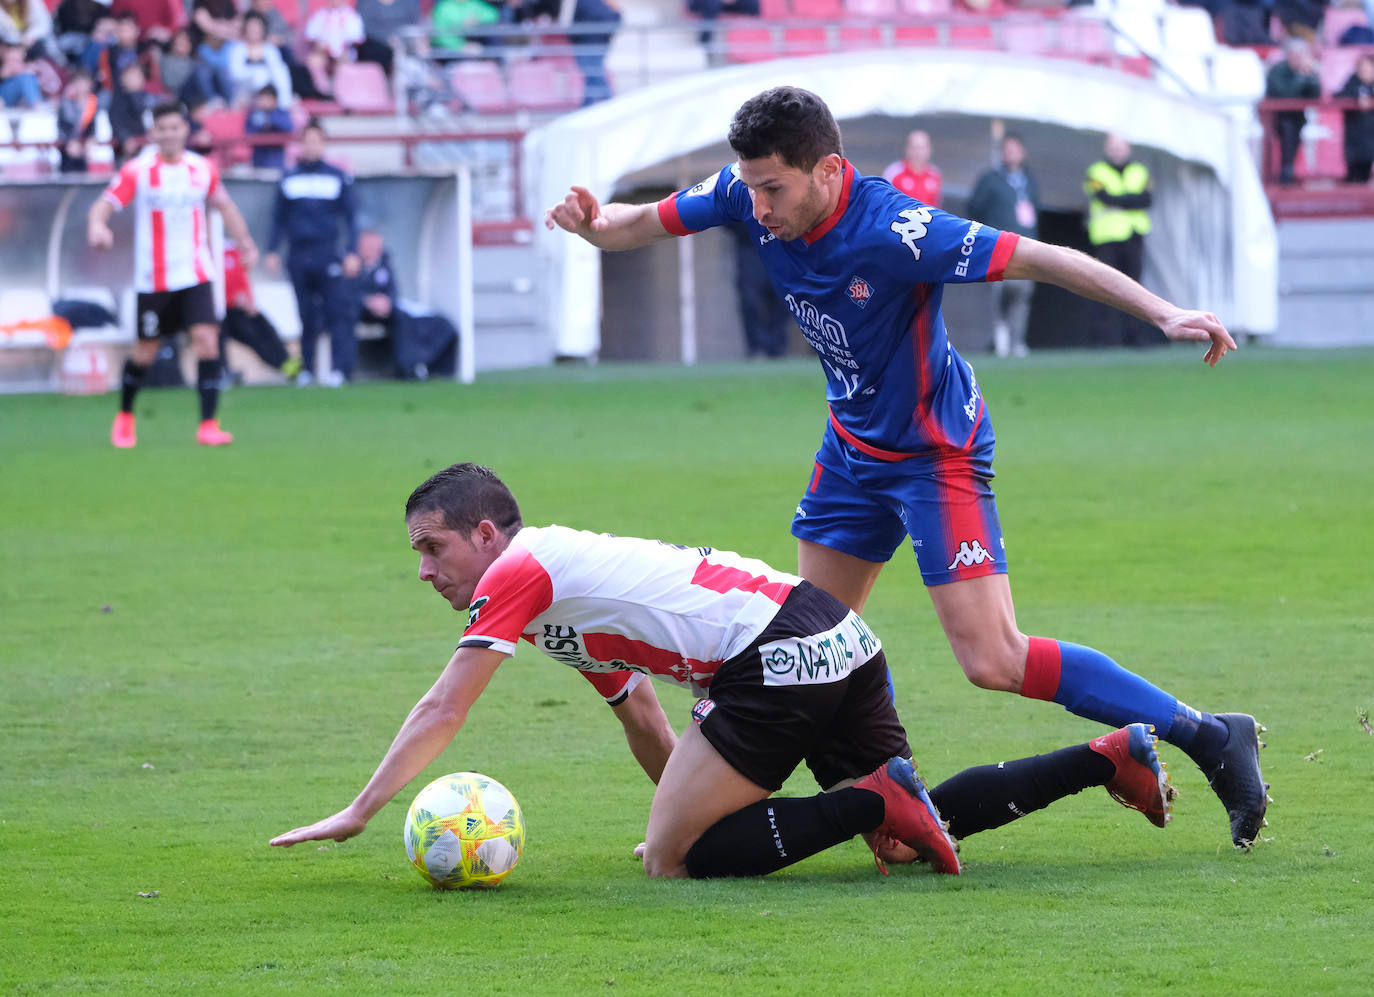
x: 1089, y: 684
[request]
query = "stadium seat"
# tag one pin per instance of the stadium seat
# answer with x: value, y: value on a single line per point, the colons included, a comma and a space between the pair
x: 775, y: 10
x: 749, y: 45
x: 224, y: 126
x: 925, y: 8
x: 479, y: 84
x: 976, y: 35
x: 857, y: 37
x: 1338, y: 20
x: 818, y: 10
x: 915, y: 34
x: 362, y: 88
x: 1187, y: 31
x: 1083, y: 36
x: 546, y: 84
x: 805, y: 41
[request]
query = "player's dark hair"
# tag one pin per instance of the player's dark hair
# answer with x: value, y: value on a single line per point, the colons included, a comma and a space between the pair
x: 466, y: 494
x: 169, y: 107
x: 789, y: 121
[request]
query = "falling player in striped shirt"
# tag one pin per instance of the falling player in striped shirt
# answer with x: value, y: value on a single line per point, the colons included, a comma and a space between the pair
x: 169, y: 187
x: 783, y: 672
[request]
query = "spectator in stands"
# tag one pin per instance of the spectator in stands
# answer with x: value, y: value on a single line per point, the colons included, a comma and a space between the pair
x: 278, y: 31
x: 1007, y: 197
x: 18, y: 86
x: 76, y: 122
x: 267, y: 118
x: 254, y: 63
x: 1118, y: 189
x: 450, y: 18
x: 383, y: 20
x: 710, y: 11
x: 157, y: 19
x: 130, y: 105
x: 199, y: 140
x: 1293, y: 78
x: 314, y: 199
x: 214, y: 24
x: 336, y: 30
x: 74, y: 23
x: 121, y: 51
x: 1359, y: 124
x: 590, y: 49
x: 1301, y: 18
x: 914, y: 174
x: 1245, y: 22
x: 177, y: 66
x: 28, y: 24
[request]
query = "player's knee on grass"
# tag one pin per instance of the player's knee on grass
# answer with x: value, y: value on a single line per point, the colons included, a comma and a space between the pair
x: 665, y: 860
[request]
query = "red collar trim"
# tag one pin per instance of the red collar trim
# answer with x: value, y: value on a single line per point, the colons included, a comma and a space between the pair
x: 846, y: 182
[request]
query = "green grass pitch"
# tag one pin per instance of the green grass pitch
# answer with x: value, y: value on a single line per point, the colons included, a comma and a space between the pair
x: 200, y: 649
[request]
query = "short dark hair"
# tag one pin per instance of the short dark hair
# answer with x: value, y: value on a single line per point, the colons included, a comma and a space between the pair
x: 315, y: 125
x: 789, y: 121
x: 256, y: 15
x: 1013, y: 137
x: 168, y: 108
x: 466, y: 494
x: 269, y: 91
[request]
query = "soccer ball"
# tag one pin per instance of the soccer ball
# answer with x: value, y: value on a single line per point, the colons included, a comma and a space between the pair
x: 464, y: 830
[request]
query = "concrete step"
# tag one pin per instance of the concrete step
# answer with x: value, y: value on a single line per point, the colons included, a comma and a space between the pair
x: 1340, y: 271
x: 1327, y: 236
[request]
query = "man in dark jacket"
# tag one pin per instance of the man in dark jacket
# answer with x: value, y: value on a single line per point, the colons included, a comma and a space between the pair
x: 313, y: 199
x: 1007, y: 198
x: 1118, y: 188
x: 419, y: 340
x: 1359, y: 124
x: 1294, y: 77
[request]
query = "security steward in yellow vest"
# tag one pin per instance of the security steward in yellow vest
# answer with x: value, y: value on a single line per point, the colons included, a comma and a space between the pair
x: 1118, y: 221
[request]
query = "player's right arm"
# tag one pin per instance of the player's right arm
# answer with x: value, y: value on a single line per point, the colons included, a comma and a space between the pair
x: 612, y: 227
x: 118, y: 194
x: 432, y: 724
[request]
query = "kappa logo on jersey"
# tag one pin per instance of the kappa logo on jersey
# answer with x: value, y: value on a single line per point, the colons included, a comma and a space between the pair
x: 971, y: 552
x: 475, y: 610
x: 911, y: 228
x: 860, y: 291
x: 701, y: 710
x: 766, y: 238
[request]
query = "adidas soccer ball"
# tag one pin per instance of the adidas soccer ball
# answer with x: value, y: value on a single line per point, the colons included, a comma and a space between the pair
x: 464, y: 830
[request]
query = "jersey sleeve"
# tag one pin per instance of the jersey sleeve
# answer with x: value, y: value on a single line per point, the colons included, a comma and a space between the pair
x: 930, y: 246
x: 123, y: 185
x: 615, y: 687
x: 512, y: 592
x: 722, y: 199
x: 213, y: 186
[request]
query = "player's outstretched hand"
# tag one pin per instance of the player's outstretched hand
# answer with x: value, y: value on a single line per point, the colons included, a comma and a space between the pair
x: 1200, y: 327
x: 578, y: 213
x: 342, y: 826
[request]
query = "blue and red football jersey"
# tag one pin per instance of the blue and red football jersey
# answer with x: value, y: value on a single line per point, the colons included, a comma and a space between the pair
x: 865, y: 287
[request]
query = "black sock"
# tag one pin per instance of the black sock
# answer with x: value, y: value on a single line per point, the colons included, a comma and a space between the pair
x: 979, y: 799
x: 1200, y: 735
x: 207, y: 382
x: 770, y: 834
x: 134, y: 373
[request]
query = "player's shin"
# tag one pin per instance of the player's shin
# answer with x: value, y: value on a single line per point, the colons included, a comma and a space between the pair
x: 771, y: 834
x: 129, y: 384
x: 207, y: 383
x: 1089, y: 684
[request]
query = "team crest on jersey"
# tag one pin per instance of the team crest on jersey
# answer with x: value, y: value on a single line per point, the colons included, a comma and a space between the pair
x: 701, y: 710
x: 860, y: 291
x: 475, y: 609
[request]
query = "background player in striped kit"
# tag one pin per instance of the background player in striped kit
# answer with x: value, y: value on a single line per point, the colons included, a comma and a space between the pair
x: 791, y: 674
x: 907, y: 450
x: 169, y: 187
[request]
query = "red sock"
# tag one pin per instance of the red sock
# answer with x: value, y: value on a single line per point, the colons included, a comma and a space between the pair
x: 1041, y: 680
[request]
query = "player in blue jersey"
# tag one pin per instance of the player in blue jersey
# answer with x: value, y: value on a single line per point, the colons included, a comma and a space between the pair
x: 907, y: 451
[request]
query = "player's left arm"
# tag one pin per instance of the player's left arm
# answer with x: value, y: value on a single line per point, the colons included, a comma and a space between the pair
x: 651, y: 737
x: 220, y: 200
x: 1090, y: 278
x: 432, y: 724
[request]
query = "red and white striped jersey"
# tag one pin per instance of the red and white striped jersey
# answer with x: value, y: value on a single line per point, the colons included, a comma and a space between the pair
x: 615, y: 606
x: 171, y: 237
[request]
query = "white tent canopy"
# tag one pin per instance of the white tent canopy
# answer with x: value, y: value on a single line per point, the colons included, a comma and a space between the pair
x: 1221, y: 256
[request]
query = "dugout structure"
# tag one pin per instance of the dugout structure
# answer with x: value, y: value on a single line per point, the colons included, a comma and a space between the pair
x: 1214, y: 244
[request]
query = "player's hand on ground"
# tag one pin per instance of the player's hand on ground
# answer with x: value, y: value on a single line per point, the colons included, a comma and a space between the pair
x: 99, y: 236
x: 578, y: 213
x: 342, y: 826
x: 1200, y: 327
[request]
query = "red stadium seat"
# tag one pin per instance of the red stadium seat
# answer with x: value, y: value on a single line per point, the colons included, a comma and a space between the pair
x: 1137, y: 65
x: 362, y: 87
x: 777, y: 10
x: 818, y: 10
x: 858, y: 37
x: 1083, y: 36
x: 971, y: 36
x: 916, y: 34
x: 749, y: 45
x: 480, y: 86
x: 223, y: 126
x: 805, y: 41
x: 1337, y: 64
x: 546, y: 84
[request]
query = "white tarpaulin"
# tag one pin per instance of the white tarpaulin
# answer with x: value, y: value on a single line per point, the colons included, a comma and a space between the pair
x: 1222, y: 256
